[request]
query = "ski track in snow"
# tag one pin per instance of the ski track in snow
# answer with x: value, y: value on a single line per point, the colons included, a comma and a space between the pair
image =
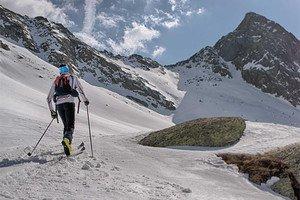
x: 120, y: 169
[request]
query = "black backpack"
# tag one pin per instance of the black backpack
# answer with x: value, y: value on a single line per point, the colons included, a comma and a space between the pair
x: 63, y: 87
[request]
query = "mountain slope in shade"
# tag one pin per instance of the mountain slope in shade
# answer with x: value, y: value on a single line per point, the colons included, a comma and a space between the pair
x: 55, y: 44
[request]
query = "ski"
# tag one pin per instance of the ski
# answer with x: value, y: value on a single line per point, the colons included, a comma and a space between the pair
x: 81, y: 146
x: 79, y: 150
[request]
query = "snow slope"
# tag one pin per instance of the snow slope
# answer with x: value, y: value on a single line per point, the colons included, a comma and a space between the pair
x: 121, y: 169
x: 209, y: 94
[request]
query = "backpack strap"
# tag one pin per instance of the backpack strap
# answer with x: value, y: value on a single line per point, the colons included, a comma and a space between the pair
x: 57, y: 80
x: 73, y: 82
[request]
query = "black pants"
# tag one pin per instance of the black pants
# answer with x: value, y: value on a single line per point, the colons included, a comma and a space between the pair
x: 67, y: 114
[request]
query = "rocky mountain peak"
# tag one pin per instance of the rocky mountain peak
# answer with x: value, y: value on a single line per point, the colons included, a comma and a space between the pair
x: 259, y: 35
x: 267, y: 55
x: 253, y: 20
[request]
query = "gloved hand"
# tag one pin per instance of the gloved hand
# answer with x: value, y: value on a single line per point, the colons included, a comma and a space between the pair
x: 86, y: 103
x: 53, y: 114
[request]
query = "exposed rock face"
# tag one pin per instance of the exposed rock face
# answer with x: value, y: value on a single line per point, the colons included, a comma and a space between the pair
x: 17, y: 31
x: 140, y: 61
x: 55, y: 44
x: 206, y: 58
x: 267, y: 55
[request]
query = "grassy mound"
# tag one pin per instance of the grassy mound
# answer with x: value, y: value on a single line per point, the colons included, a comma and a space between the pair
x: 261, y: 167
x: 208, y: 132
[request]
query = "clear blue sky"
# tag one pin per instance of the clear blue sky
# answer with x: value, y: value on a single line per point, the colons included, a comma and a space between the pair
x: 221, y: 17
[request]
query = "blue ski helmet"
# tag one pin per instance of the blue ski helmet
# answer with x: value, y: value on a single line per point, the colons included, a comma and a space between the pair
x: 64, y: 69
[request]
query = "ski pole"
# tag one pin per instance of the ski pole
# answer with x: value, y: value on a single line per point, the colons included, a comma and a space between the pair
x: 88, y: 117
x: 56, y: 114
x: 30, y: 153
x: 78, y: 105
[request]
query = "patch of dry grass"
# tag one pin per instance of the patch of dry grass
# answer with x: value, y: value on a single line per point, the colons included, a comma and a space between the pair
x: 281, y: 162
x: 208, y: 132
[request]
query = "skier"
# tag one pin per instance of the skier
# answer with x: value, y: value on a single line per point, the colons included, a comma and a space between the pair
x: 63, y: 92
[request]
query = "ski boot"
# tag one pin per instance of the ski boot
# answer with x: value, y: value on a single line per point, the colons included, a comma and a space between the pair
x: 67, y: 146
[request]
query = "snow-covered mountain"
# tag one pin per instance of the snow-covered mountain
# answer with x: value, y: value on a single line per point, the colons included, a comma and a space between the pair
x: 217, y: 81
x: 267, y: 55
x: 252, y: 72
x: 55, y: 44
x: 25, y: 82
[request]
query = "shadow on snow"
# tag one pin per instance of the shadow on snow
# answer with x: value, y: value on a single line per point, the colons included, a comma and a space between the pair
x: 8, y: 163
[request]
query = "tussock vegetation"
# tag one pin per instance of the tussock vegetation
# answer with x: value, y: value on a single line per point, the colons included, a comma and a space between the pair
x: 208, y: 132
x: 4, y: 46
x: 283, y: 163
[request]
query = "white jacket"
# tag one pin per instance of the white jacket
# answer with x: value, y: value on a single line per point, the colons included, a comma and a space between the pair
x: 75, y: 84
